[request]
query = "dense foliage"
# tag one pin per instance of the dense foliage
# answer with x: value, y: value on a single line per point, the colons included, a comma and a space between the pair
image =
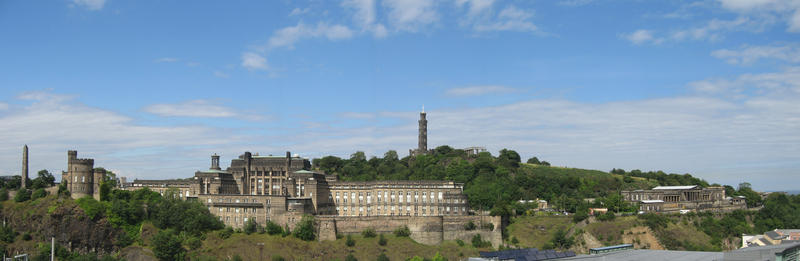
x: 779, y: 211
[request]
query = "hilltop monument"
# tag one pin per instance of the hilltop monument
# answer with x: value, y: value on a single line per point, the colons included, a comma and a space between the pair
x: 25, y: 166
x: 422, y: 139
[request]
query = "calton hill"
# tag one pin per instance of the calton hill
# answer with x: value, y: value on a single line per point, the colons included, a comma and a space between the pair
x: 145, y: 225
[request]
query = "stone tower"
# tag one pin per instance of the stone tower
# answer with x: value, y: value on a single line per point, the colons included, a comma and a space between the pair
x: 422, y: 147
x: 25, y: 166
x: 215, y: 162
x: 81, y: 177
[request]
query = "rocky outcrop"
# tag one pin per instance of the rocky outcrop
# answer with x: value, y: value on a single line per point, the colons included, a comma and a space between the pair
x: 60, y: 218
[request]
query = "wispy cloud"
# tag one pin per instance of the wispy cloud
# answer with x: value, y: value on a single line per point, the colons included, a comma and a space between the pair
x: 3, y: 106
x: 254, y: 61
x: 748, y: 54
x: 92, y: 5
x: 411, y: 15
x: 479, y: 90
x: 167, y: 60
x: 288, y: 36
x: 365, y: 16
x: 509, y: 19
x: 299, y: 11
x: 575, y: 2
x: 221, y: 74
x: 642, y: 36
x: 196, y: 108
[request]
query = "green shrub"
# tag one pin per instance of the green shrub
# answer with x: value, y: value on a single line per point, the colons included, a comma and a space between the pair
x: 350, y: 257
x: 402, y: 232
x: 273, y: 228
x: 167, y: 245
x: 607, y: 216
x: 469, y: 226
x: 350, y: 242
x: 368, y: 233
x: 488, y: 226
x: 286, y: 231
x: 26, y: 237
x: 93, y: 208
x: 382, y: 240
x: 225, y: 233
x: 194, y: 243
x: 7, y: 234
x: 251, y: 226
x: 22, y: 195
x: 305, y: 229
x: 277, y: 258
x: 3, y: 194
x: 460, y: 242
x: 478, y: 242
x: 382, y: 257
x: 38, y: 193
x: 514, y: 241
x: 236, y: 257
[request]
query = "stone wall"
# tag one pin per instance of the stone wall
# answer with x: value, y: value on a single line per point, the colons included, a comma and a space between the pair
x: 426, y: 230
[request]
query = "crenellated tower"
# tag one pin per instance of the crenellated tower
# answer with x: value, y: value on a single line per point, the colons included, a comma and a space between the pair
x: 81, y: 178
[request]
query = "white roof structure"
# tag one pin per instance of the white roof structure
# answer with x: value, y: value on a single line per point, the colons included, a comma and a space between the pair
x: 674, y: 187
x: 650, y: 201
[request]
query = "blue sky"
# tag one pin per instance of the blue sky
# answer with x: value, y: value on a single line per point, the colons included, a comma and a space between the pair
x: 151, y: 89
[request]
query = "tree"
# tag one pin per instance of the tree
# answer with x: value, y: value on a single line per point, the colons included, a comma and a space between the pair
x: 251, y: 226
x: 349, y: 241
x: 509, y: 158
x: 273, y: 228
x: 167, y: 245
x: 561, y: 241
x: 534, y: 160
x: 38, y: 193
x: 22, y: 195
x: 3, y: 194
x: 368, y: 233
x: 438, y: 257
x: 402, y: 232
x: 43, y: 180
x: 305, y: 229
x: 382, y: 240
x: 744, y: 185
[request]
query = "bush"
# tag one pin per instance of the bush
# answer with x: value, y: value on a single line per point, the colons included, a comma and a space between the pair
x: 350, y: 242
x: 273, y: 228
x: 305, y: 229
x: 350, y: 257
x: 62, y: 190
x: 580, y: 215
x: 3, y: 194
x: 478, y: 242
x: 460, y: 242
x: 93, y: 208
x: 7, y: 234
x: 402, y: 232
x: 488, y: 226
x: 167, y: 245
x: 368, y: 233
x: 225, y: 233
x: 469, y: 226
x: 26, y: 237
x: 561, y: 241
x: 382, y: 240
x: 278, y: 258
x: 251, y: 226
x: 382, y: 257
x: 22, y: 195
x: 38, y: 193
x: 607, y: 216
x: 514, y: 241
x: 194, y: 243
x: 286, y: 231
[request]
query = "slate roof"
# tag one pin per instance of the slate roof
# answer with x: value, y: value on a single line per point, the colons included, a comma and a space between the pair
x: 528, y: 254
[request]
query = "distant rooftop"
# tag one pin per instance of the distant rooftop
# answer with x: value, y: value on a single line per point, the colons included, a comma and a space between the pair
x: 674, y: 187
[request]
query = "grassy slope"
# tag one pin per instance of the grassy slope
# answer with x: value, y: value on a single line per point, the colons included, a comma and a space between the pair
x: 536, y: 231
x: 247, y: 246
x: 638, y: 182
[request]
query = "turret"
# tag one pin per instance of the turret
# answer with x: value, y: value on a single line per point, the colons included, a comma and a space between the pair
x: 215, y: 162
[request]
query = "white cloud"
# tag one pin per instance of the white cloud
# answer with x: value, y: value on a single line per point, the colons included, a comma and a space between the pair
x: 575, y: 2
x: 221, y: 74
x: 298, y: 11
x: 509, y: 19
x: 195, y: 108
x: 288, y: 36
x: 51, y: 124
x: 3, y: 106
x: 479, y: 90
x: 166, y: 60
x: 787, y: 10
x: 253, y: 61
x: 365, y: 16
x: 476, y: 7
x: 642, y: 36
x: 749, y: 54
x: 411, y: 15
x: 92, y: 5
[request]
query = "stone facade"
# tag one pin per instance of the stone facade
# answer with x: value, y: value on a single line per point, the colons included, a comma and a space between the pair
x: 676, y: 199
x: 282, y: 190
x: 81, y: 178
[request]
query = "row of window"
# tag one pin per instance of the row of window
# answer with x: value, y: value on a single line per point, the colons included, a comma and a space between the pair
x: 237, y: 219
x: 238, y: 210
x: 397, y: 210
x: 228, y: 200
x: 390, y: 196
x: 268, y: 173
x: 397, y: 187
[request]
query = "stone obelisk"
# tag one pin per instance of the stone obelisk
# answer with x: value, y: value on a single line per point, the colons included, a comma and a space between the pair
x: 25, y: 166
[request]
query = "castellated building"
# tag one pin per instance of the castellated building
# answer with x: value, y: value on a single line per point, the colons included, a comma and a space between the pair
x: 81, y: 178
x: 679, y: 199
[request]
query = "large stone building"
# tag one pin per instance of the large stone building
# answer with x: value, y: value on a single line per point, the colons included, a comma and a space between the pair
x: 677, y: 199
x: 81, y: 178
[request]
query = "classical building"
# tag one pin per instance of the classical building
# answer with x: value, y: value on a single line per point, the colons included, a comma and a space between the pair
x: 81, y: 178
x: 679, y: 199
x: 282, y: 189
